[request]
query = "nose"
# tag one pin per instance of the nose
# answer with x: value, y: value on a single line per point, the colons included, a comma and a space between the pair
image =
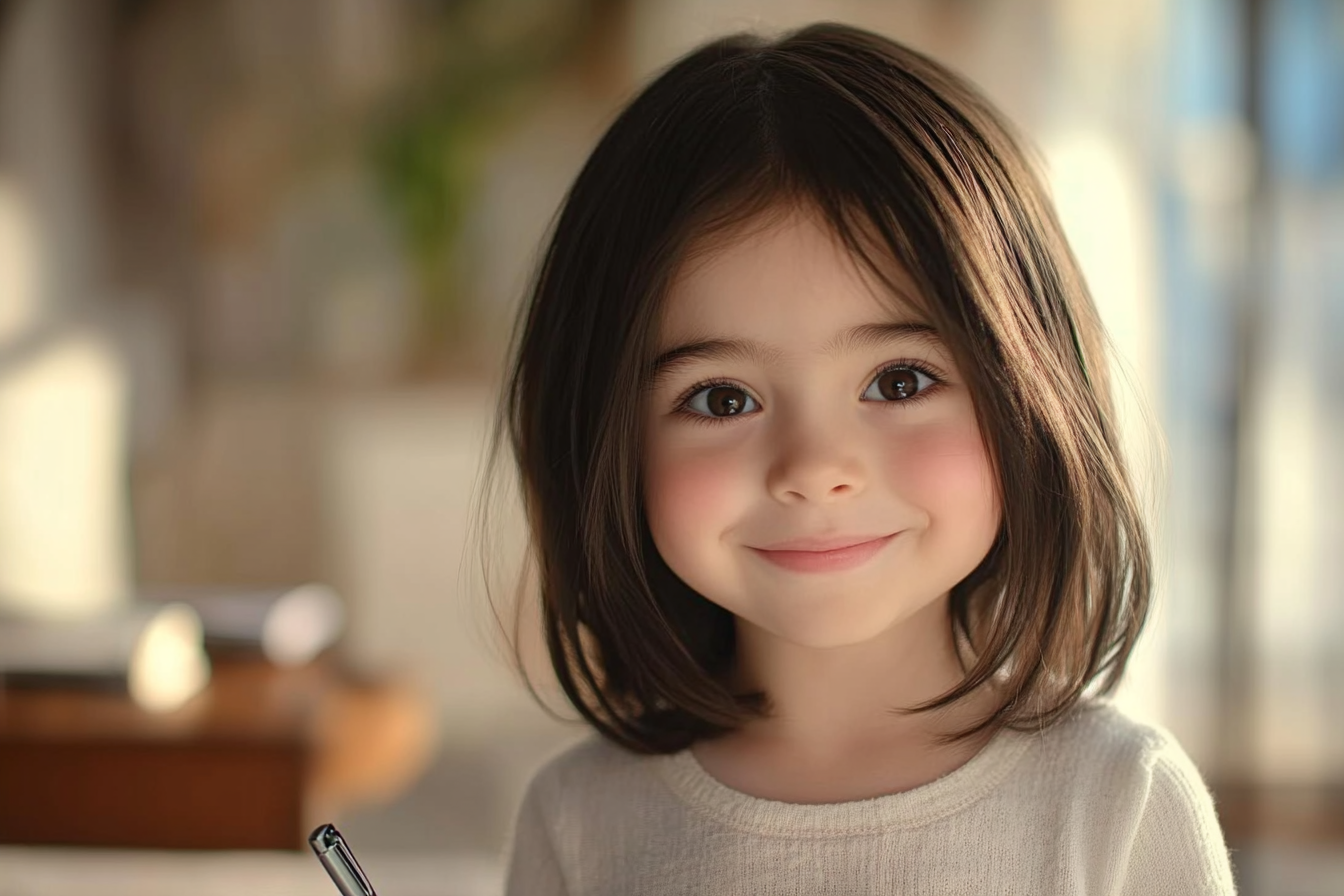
x: 815, y: 462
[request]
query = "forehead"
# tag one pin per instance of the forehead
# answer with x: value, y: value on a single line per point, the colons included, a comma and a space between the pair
x: 787, y: 277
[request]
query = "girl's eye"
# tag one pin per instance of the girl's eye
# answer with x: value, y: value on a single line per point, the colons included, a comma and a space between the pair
x: 899, y: 383
x: 720, y: 401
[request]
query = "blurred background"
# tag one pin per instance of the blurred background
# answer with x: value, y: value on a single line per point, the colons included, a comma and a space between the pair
x: 258, y: 263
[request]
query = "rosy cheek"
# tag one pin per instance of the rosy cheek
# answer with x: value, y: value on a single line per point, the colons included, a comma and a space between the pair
x: 944, y: 469
x: 691, y: 493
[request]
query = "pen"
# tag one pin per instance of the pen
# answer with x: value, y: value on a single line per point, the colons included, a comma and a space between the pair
x: 336, y: 857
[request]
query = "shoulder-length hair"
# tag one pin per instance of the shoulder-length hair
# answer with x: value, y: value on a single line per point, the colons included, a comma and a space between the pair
x: 905, y: 161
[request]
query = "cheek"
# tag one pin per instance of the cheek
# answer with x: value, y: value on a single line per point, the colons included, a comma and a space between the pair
x: 691, y: 494
x: 945, y: 470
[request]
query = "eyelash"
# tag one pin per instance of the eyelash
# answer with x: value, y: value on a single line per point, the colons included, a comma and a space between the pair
x: 938, y: 379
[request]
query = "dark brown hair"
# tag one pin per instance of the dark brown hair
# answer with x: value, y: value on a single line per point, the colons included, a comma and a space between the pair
x: 905, y: 161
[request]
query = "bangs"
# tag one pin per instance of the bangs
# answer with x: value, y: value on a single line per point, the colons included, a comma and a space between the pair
x: 896, y: 175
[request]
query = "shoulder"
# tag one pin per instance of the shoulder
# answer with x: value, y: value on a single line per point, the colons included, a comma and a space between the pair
x: 592, y: 756
x: 1100, y: 720
x: 563, y: 810
x: 1118, y: 756
x: 1100, y: 734
x: 590, y: 770
x: 1158, y: 812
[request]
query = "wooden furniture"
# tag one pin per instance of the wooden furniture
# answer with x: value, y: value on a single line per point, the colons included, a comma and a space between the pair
x: 1310, y: 815
x: 255, y: 762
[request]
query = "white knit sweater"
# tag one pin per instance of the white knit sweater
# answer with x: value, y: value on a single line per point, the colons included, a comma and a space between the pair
x: 1096, y: 804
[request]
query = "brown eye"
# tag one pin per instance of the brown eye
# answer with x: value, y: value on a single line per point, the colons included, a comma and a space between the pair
x: 721, y: 401
x: 898, y: 384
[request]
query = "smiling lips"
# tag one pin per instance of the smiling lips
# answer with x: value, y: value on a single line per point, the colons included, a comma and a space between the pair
x: 825, y: 554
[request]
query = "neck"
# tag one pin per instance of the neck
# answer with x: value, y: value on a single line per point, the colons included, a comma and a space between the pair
x: 834, y: 732
x: 832, y: 701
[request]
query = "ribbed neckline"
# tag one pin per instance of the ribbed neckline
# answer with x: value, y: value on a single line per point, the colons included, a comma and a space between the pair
x: 956, y: 790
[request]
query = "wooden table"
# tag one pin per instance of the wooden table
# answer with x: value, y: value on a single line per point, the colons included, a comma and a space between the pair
x: 254, y: 762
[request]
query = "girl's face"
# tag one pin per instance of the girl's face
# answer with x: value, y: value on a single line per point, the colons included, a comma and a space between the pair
x: 812, y: 461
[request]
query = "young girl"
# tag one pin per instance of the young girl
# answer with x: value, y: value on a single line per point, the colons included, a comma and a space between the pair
x: 835, y: 545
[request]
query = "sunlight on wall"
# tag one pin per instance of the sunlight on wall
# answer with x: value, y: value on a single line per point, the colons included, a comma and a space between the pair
x: 1099, y: 198
x: 62, y: 413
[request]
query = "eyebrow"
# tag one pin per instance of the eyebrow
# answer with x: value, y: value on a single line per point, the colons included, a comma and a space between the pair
x: 853, y: 339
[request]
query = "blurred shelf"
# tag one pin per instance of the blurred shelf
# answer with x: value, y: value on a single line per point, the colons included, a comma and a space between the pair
x: 1308, y: 815
x: 254, y: 762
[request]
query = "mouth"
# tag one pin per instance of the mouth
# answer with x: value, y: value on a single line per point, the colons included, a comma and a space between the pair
x: 825, y: 555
